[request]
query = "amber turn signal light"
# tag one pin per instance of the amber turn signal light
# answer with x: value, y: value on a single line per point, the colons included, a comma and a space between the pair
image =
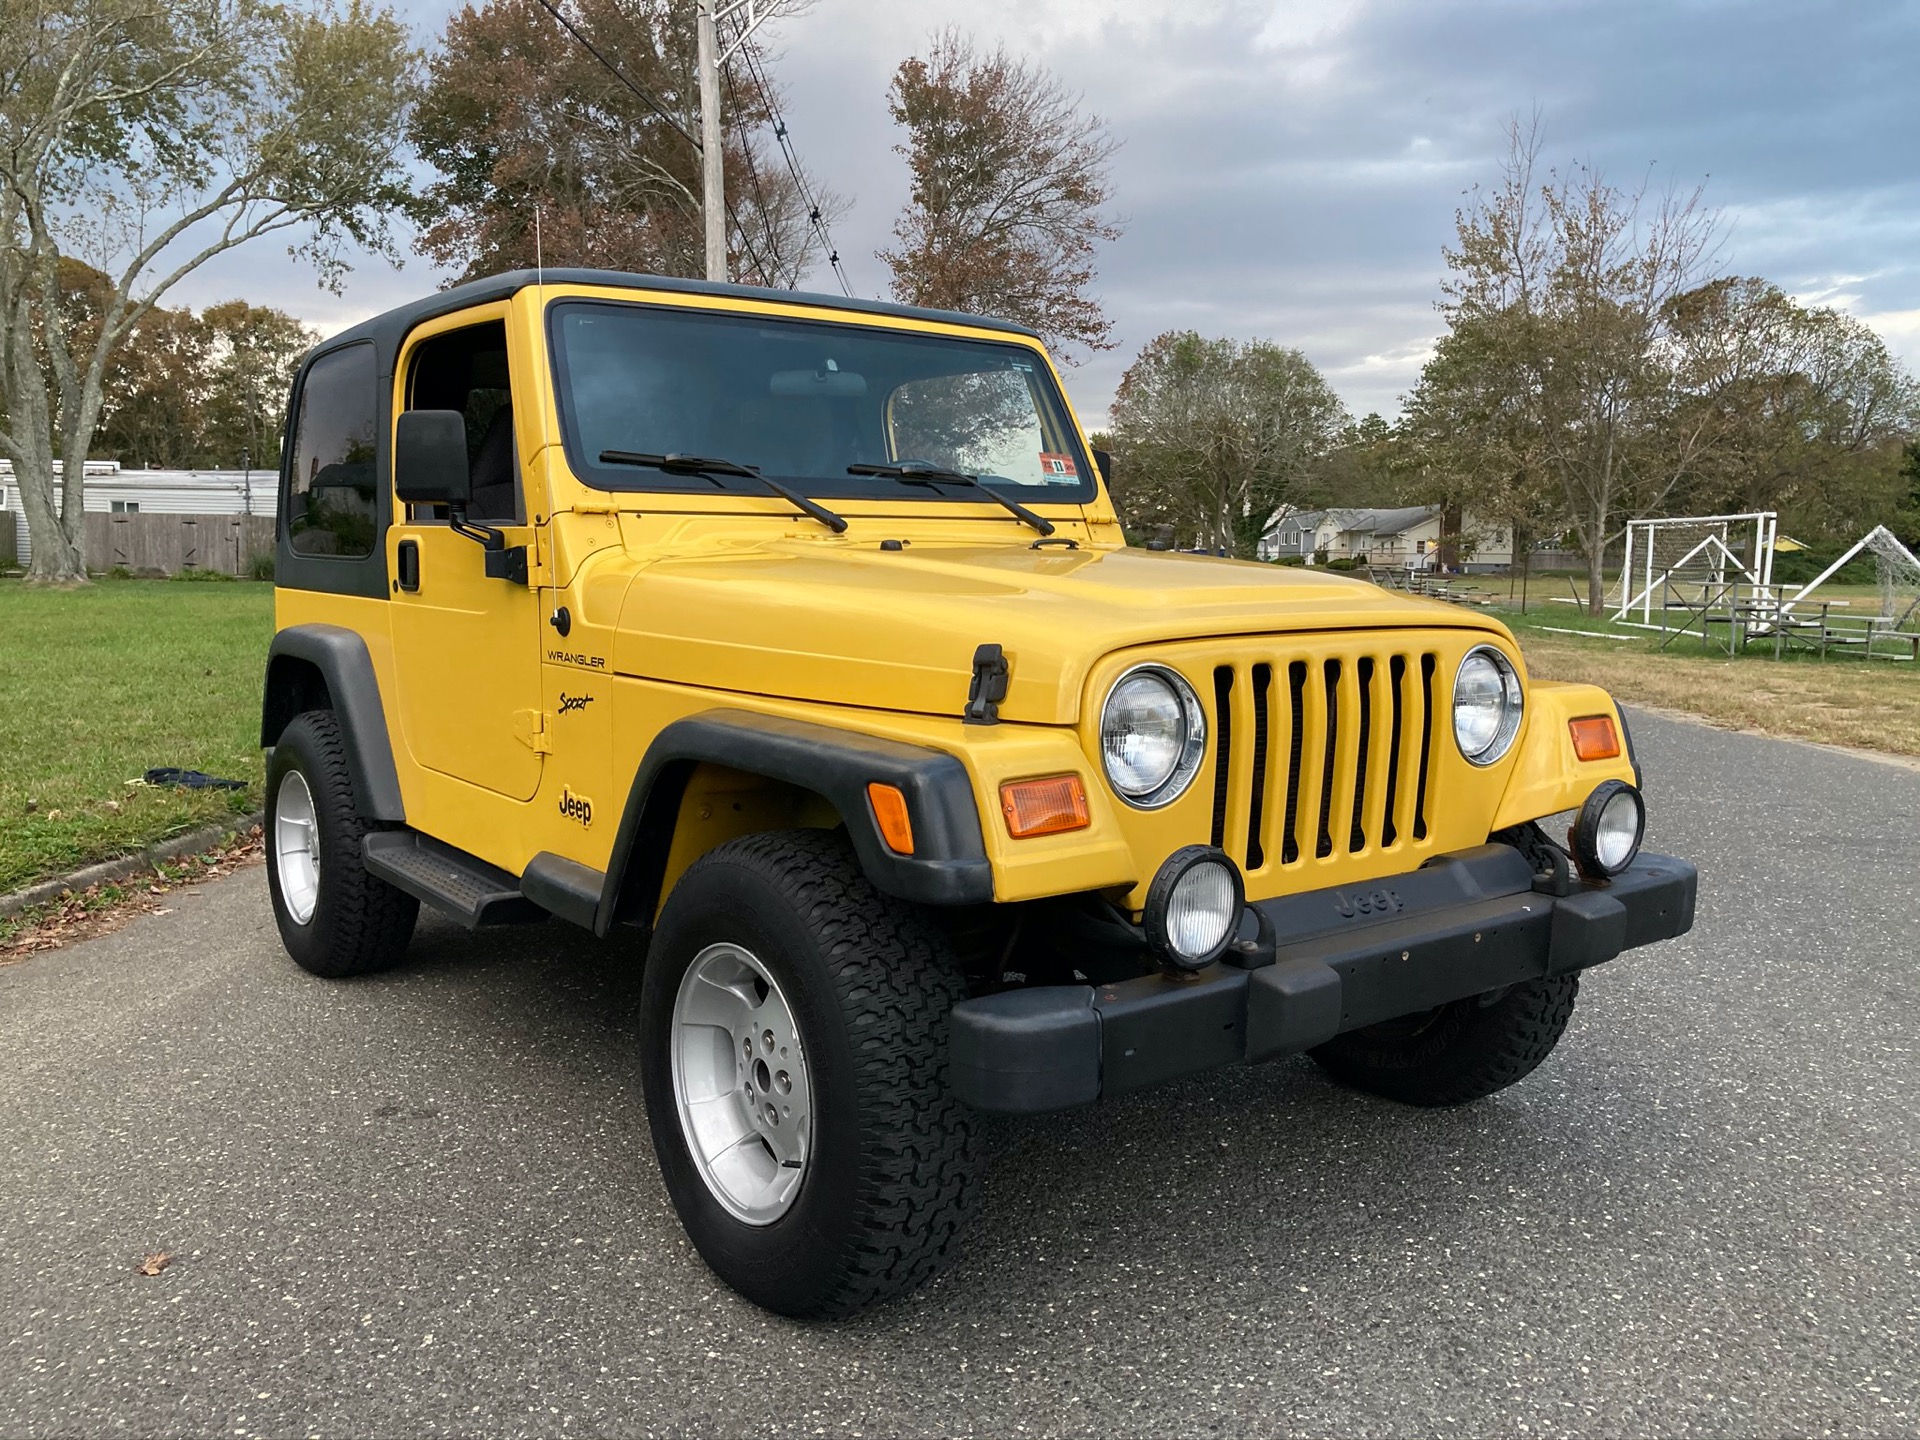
x: 1044, y: 807
x: 890, y: 809
x: 1595, y: 737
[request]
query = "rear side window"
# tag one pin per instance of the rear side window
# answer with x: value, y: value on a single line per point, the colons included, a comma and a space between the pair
x: 330, y: 507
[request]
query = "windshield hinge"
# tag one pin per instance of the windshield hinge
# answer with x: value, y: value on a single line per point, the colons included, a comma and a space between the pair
x: 988, y: 687
x: 530, y: 729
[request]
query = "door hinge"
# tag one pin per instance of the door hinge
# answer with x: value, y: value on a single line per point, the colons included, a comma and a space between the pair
x: 530, y: 729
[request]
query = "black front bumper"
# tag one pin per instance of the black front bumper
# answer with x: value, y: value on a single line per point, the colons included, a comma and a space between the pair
x: 1462, y: 925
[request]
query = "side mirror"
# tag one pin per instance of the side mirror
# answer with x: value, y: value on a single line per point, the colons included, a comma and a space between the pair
x: 430, y: 459
x: 1103, y: 461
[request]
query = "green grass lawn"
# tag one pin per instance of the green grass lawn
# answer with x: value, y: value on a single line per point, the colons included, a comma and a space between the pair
x: 100, y: 684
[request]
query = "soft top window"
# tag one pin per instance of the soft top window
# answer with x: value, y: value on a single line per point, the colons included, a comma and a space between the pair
x: 330, y: 507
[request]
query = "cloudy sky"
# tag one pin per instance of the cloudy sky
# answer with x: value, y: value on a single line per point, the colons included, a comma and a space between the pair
x: 1290, y: 168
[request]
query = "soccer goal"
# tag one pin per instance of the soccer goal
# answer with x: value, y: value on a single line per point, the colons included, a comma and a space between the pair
x: 1894, y: 566
x: 1693, y: 561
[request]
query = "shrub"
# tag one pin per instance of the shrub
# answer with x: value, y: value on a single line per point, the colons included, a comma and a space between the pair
x: 1290, y: 560
x: 260, y: 567
x: 200, y: 575
x: 1797, y: 567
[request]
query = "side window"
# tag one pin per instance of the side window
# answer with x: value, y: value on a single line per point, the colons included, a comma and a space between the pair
x: 466, y: 370
x: 330, y: 506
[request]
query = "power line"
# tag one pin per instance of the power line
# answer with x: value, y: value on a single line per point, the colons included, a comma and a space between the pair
x: 645, y: 99
x: 660, y: 110
x: 815, y: 215
x: 753, y: 174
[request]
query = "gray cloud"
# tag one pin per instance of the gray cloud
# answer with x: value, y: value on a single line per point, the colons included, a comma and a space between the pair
x: 1291, y: 170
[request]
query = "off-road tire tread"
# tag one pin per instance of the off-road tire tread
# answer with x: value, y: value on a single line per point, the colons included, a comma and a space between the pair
x: 369, y: 922
x: 896, y: 980
x: 1472, y: 1052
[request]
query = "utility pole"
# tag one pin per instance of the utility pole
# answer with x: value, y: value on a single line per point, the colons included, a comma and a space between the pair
x: 713, y: 200
x: 712, y: 155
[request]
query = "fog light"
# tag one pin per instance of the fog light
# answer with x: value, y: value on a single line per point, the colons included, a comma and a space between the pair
x: 1606, y: 837
x: 1193, y: 907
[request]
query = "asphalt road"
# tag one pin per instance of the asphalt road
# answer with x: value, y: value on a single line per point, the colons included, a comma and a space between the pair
x: 425, y: 1204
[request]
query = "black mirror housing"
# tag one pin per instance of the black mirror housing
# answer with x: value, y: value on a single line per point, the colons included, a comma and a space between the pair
x: 1103, y: 462
x: 430, y: 458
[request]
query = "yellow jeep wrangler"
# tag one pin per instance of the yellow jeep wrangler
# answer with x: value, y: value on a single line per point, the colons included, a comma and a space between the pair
x: 795, y: 642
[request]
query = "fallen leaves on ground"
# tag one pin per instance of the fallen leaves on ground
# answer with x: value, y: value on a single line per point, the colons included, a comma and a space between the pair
x: 155, y: 1263
x: 104, y: 908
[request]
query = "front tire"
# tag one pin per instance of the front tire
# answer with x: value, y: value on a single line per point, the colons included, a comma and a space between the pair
x: 779, y: 977
x: 1459, y: 1052
x: 335, y: 918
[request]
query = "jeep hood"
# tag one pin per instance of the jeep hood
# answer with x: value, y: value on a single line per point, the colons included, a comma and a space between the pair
x: 896, y: 630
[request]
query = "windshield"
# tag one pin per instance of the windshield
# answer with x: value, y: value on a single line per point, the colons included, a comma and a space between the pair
x: 801, y: 401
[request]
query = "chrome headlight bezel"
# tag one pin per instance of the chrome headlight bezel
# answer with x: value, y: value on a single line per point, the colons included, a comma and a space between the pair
x: 1513, y: 706
x: 1192, y: 747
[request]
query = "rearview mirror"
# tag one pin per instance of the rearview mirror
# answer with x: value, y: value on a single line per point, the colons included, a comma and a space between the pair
x: 834, y: 384
x: 430, y: 458
x: 1103, y: 461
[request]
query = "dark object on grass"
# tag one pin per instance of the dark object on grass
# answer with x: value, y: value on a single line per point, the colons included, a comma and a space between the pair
x: 190, y: 779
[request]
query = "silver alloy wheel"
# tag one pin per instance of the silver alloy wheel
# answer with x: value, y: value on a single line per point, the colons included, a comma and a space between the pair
x: 296, y: 846
x: 740, y: 1083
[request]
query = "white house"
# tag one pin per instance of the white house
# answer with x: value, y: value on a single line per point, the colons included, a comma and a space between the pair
x: 111, y: 489
x: 1403, y: 538
x: 1399, y: 538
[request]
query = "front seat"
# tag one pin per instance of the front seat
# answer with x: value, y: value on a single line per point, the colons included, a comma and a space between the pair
x: 494, y: 472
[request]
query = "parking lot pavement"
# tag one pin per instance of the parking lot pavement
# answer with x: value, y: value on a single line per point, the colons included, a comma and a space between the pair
x: 425, y: 1204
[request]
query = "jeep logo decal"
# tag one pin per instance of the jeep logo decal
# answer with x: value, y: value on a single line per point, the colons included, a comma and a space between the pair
x: 1353, y: 904
x: 576, y: 807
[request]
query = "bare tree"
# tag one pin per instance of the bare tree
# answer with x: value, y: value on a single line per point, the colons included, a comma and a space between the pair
x: 1009, y: 181
x: 146, y: 139
x: 1566, y: 281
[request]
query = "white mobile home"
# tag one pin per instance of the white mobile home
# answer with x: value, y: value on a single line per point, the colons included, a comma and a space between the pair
x: 112, y: 490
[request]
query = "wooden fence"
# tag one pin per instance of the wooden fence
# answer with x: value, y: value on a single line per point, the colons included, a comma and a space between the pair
x: 172, y: 543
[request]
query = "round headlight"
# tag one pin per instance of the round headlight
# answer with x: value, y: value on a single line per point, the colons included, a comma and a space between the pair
x: 1193, y: 907
x: 1606, y: 837
x: 1487, y: 705
x: 1153, y: 735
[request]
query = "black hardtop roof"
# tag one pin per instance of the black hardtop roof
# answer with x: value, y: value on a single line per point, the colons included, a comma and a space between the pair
x: 389, y: 329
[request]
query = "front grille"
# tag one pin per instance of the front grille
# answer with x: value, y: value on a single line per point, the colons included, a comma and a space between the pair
x: 1316, y: 758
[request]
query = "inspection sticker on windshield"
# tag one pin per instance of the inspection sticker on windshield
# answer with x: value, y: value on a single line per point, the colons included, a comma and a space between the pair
x: 1057, y: 467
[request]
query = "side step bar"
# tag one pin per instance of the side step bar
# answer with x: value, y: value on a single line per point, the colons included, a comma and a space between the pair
x: 451, y: 881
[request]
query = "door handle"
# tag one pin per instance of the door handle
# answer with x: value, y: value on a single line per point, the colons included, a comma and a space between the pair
x: 409, y: 566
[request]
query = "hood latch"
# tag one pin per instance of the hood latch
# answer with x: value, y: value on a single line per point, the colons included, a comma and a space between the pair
x: 989, y: 686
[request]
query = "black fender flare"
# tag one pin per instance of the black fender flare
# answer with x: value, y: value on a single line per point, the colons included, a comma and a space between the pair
x: 949, y: 865
x: 340, y: 657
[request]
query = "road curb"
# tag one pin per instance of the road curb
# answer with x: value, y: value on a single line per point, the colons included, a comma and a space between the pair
x: 191, y: 843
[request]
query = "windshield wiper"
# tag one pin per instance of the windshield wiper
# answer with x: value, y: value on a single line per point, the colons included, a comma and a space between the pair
x: 678, y: 464
x: 913, y: 472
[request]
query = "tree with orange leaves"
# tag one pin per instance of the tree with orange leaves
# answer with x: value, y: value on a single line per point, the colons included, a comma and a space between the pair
x: 521, y: 118
x: 1009, y: 184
